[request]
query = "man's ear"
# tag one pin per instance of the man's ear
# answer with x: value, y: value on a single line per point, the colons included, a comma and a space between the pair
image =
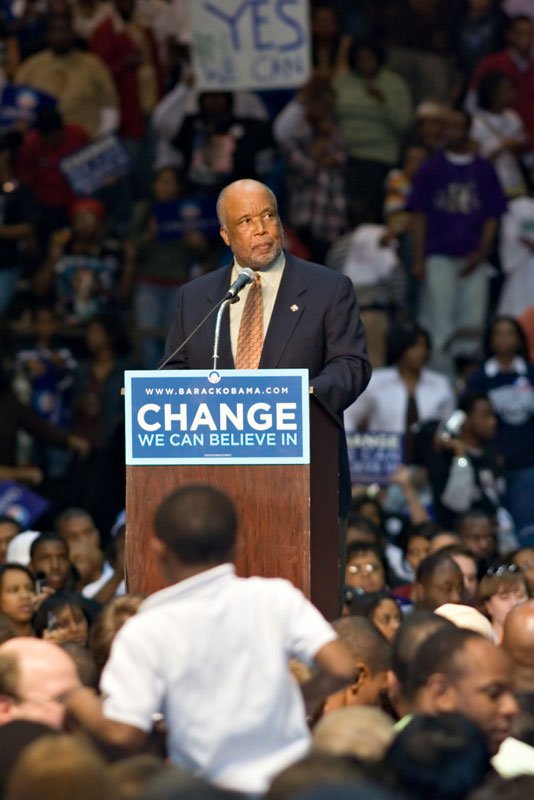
x: 441, y: 694
x: 224, y: 236
x: 6, y: 708
x: 362, y: 674
x: 159, y: 548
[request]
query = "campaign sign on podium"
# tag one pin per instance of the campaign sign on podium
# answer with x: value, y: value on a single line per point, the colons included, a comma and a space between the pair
x: 217, y: 417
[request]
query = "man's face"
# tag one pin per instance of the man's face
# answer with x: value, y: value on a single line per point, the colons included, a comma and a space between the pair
x: 60, y: 37
x: 456, y: 130
x: 8, y: 531
x: 445, y: 585
x: 80, y: 530
x: 468, y: 567
x: 482, y: 421
x: 251, y: 226
x: 521, y: 37
x: 52, y: 558
x: 479, y: 536
x: 483, y: 690
x: 43, y: 681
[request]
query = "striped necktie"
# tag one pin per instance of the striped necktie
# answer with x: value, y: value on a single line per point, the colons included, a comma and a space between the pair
x: 250, y: 338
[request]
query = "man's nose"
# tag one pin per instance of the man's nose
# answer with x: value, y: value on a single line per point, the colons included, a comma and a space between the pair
x: 508, y: 705
x: 455, y: 596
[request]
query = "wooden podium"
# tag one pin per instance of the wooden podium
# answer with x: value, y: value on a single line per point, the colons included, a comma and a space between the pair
x: 288, y: 515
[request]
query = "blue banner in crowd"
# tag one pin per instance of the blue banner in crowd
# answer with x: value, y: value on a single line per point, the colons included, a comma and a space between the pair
x: 98, y: 164
x: 21, y: 104
x: 177, y: 217
x: 20, y: 503
x: 217, y: 417
x: 374, y: 456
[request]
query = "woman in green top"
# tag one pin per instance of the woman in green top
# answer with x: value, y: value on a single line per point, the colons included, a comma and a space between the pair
x: 373, y: 110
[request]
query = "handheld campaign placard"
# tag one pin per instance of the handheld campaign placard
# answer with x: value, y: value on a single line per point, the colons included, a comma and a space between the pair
x: 250, y: 44
x: 374, y: 455
x: 217, y: 417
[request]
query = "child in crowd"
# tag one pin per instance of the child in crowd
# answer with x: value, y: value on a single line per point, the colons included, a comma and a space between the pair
x: 47, y: 368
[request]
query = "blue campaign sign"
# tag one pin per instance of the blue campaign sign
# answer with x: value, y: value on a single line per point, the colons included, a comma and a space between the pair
x: 21, y: 104
x: 177, y: 217
x: 217, y: 417
x: 20, y: 503
x: 100, y: 163
x: 374, y: 455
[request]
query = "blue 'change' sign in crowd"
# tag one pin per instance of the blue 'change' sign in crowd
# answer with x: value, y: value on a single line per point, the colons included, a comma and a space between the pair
x: 226, y: 416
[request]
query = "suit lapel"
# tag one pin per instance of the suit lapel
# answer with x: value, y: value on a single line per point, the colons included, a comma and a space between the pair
x: 216, y: 291
x: 288, y: 309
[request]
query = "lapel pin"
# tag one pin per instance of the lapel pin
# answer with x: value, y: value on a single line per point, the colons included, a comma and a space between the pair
x: 293, y: 307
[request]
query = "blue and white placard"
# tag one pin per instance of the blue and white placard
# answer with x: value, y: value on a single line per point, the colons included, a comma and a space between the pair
x: 374, y: 456
x: 217, y: 417
x: 250, y: 44
x: 100, y: 163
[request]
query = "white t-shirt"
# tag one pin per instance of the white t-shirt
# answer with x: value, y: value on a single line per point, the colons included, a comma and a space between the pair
x: 490, y: 130
x: 211, y: 654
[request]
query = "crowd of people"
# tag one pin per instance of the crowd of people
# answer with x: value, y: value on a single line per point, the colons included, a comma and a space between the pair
x: 406, y: 164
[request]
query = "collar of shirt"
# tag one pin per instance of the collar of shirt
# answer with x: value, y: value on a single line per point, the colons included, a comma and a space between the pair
x: 270, y: 276
x: 183, y: 588
x: 492, y: 367
x: 459, y: 159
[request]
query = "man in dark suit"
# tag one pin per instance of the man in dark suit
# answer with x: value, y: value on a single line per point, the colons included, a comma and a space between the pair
x: 310, y: 313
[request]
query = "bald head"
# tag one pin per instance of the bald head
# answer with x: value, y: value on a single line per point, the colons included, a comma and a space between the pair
x: 250, y: 225
x: 246, y: 187
x: 518, y: 641
x: 34, y: 677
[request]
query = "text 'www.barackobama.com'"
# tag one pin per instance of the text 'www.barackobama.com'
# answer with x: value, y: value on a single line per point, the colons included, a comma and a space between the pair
x: 215, y: 390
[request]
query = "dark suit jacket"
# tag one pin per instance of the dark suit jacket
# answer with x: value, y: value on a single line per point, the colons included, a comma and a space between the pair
x: 324, y: 334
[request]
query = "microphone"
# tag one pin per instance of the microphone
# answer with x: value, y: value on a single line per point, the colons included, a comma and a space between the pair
x: 245, y: 276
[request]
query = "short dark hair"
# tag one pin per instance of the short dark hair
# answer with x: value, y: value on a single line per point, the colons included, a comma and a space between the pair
x: 413, y: 631
x: 428, y: 566
x: 469, y: 400
x: 441, y: 757
x: 198, y: 524
x: 473, y: 514
x: 436, y: 654
x: 362, y: 639
x: 43, y: 538
x: 6, y: 519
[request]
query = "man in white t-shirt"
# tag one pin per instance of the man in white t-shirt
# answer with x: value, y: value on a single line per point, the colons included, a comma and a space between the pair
x: 211, y: 654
